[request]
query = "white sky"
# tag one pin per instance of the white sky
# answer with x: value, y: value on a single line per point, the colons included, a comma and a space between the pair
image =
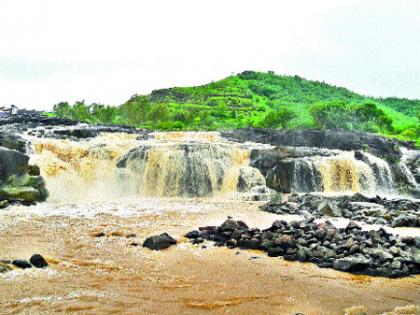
x: 105, y: 51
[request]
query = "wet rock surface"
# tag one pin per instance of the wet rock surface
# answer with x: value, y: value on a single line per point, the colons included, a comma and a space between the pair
x: 328, y: 139
x: 350, y: 249
x: 19, y: 181
x: 396, y: 212
x: 158, y: 242
x: 83, y: 131
x: 38, y: 261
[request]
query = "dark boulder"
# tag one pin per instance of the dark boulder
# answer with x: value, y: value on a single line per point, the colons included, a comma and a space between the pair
x: 352, y: 263
x: 38, y: 261
x: 229, y: 225
x: 34, y: 170
x: 159, y: 242
x: 22, y: 264
x: 358, y: 197
x: 12, y: 162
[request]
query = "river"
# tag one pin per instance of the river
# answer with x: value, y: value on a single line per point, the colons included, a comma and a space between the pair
x: 91, y: 234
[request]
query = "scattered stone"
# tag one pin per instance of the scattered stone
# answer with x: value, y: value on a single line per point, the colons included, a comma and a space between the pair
x: 159, y: 242
x: 4, y: 267
x: 229, y: 225
x: 22, y: 264
x: 329, y: 209
x: 100, y: 234
x: 254, y: 257
x: 352, y: 264
x: 38, y: 261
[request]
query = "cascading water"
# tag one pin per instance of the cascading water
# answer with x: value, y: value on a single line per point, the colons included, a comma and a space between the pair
x: 185, y: 169
x: 83, y: 170
x: 381, y: 171
x: 403, y: 165
x: 193, y: 164
x: 333, y: 171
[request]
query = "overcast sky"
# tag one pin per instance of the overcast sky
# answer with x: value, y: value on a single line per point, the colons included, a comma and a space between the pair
x: 106, y: 51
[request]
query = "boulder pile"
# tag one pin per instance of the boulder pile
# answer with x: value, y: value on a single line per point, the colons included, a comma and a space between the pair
x: 349, y: 249
x: 397, y: 212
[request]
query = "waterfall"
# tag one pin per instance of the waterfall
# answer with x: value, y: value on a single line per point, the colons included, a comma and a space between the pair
x: 339, y: 171
x: 83, y: 170
x: 173, y: 164
x: 201, y: 164
x: 190, y: 170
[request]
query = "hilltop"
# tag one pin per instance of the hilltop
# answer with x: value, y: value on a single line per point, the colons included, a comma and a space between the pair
x: 260, y: 100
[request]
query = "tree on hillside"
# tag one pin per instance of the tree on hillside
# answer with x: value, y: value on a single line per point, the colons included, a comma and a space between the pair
x: 159, y: 112
x: 63, y: 109
x: 341, y: 115
x: 278, y: 118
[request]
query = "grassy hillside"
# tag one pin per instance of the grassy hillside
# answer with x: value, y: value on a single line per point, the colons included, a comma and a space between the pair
x: 260, y: 100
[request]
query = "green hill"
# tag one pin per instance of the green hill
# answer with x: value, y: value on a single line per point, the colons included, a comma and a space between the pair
x: 257, y: 99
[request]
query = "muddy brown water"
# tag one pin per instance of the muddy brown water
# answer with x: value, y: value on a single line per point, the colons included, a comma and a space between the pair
x: 107, y: 275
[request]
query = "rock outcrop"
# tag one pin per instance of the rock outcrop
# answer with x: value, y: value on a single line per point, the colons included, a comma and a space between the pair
x: 327, y: 139
x: 19, y: 182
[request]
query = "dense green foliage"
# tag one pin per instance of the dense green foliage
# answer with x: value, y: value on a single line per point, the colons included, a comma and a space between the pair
x: 260, y: 100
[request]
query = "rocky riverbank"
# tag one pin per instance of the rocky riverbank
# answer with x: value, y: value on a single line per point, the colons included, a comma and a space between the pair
x: 395, y: 212
x: 349, y: 249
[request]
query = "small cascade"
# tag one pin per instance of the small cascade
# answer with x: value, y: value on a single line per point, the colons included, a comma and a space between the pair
x: 410, y: 157
x: 189, y: 170
x: 339, y: 171
x: 381, y: 170
x: 343, y: 173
